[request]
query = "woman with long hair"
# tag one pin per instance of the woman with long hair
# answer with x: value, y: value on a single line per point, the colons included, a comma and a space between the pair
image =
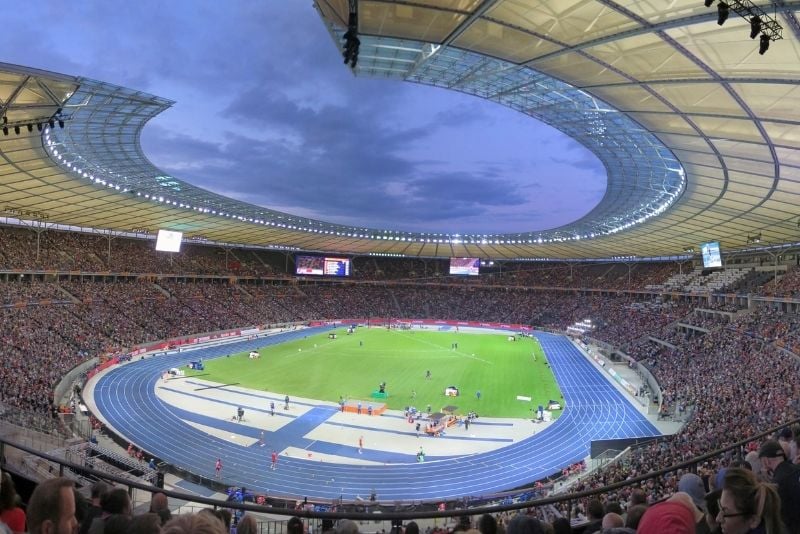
x: 748, y: 506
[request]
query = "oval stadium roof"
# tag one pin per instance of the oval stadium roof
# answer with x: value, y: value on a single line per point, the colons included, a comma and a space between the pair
x: 698, y: 131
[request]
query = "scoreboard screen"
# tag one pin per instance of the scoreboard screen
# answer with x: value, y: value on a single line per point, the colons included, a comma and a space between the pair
x: 322, y: 266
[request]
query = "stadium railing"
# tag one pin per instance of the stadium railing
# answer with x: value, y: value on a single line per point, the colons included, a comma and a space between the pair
x: 358, y: 511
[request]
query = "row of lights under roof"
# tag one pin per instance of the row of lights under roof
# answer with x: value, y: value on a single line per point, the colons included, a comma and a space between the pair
x: 443, y: 240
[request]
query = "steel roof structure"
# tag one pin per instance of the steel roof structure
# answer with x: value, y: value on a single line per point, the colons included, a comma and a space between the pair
x: 697, y: 130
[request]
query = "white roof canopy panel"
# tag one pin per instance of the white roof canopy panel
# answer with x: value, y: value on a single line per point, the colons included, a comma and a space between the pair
x: 686, y: 115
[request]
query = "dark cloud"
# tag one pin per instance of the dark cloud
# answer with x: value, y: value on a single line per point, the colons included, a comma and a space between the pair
x: 266, y: 112
x: 476, y: 189
x: 379, y: 187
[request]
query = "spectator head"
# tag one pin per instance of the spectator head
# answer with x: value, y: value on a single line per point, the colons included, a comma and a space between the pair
x: 198, y: 523
x: 464, y: 524
x: 158, y: 502
x: 51, y: 509
x: 668, y: 517
x: 746, y: 503
x: 223, y: 515
x: 524, y: 524
x: 638, y: 496
x: 116, y: 501
x: 612, y: 507
x: 487, y: 524
x: 413, y: 528
x: 159, y: 505
x: 247, y: 525
x: 595, y: 510
x: 8, y: 494
x: 692, y: 485
x: 99, y: 489
x: 612, y: 520
x: 345, y: 526
x: 771, y: 454
x: 295, y: 526
x: 634, y: 515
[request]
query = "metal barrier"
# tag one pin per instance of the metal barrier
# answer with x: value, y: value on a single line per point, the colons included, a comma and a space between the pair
x: 36, y: 464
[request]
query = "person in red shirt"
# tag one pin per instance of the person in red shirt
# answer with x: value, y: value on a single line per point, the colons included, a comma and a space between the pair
x: 10, y: 514
x: 274, y: 464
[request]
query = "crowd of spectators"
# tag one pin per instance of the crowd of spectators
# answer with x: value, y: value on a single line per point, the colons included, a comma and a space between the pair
x: 729, y: 383
x: 787, y: 285
x: 623, y: 321
x: 97, y: 316
x: 708, y: 321
x: 732, y: 382
x: 43, y: 249
x: 50, y: 250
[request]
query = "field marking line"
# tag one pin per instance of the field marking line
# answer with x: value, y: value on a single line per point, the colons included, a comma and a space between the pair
x: 445, y: 351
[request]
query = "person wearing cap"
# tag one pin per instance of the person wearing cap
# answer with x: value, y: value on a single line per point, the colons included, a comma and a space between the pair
x: 787, y: 477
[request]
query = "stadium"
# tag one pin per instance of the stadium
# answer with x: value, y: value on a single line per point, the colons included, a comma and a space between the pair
x: 165, y: 337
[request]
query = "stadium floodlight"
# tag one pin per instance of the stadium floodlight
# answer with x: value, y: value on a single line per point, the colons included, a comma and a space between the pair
x: 352, y: 42
x: 755, y: 26
x: 759, y: 20
x: 723, y: 10
x: 763, y: 46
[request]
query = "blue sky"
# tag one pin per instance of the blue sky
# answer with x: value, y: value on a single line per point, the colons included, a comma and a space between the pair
x: 267, y: 113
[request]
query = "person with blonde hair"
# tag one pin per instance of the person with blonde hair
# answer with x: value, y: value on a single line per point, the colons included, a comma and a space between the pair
x: 748, y: 506
x: 199, y: 523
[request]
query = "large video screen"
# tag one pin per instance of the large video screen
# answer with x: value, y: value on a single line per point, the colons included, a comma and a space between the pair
x: 465, y: 266
x: 711, y: 255
x: 169, y: 241
x: 321, y: 266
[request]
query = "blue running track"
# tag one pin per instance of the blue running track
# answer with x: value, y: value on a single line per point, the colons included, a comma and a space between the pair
x: 594, y: 409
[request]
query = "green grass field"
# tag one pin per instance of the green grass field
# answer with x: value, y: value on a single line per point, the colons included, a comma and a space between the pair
x: 353, y: 365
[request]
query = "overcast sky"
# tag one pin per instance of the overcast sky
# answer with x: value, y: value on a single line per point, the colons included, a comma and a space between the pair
x: 267, y: 113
